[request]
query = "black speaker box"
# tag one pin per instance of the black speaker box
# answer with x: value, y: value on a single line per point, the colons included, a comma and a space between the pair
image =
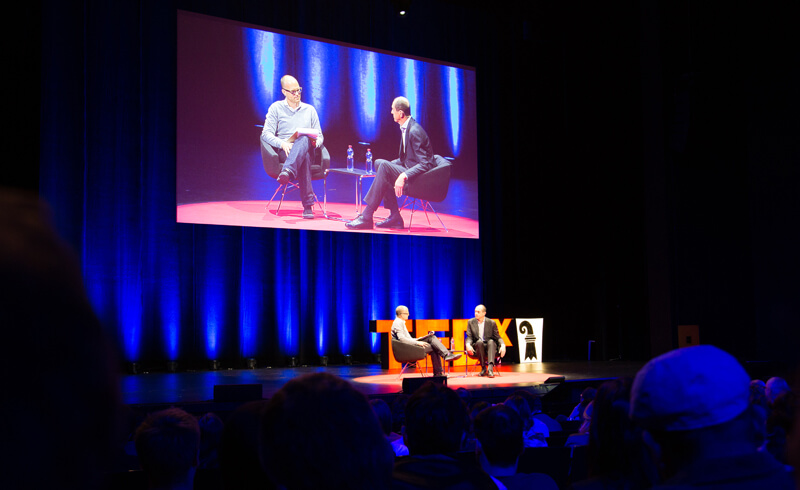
x: 237, y: 393
x: 410, y: 385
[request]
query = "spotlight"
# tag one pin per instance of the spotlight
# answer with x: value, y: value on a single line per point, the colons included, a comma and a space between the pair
x: 348, y: 359
x: 251, y: 363
x: 172, y: 366
x: 323, y: 361
x: 293, y: 361
x: 215, y: 365
x: 401, y: 7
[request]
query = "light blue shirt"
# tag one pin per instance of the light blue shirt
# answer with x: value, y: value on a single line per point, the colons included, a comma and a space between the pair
x: 282, y: 121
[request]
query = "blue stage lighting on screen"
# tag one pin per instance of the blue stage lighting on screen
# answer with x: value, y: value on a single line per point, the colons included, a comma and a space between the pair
x: 316, y: 85
x: 266, y: 50
x: 365, y: 87
x: 454, y: 87
x: 410, y: 85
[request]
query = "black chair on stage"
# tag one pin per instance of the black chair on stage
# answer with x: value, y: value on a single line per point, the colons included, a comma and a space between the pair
x: 408, y: 354
x: 432, y: 186
x: 497, y: 361
x: 273, y: 167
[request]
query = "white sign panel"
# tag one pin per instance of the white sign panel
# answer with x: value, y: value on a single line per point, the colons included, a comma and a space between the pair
x: 529, y: 339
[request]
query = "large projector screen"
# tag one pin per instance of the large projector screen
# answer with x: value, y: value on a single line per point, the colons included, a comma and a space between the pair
x: 229, y: 75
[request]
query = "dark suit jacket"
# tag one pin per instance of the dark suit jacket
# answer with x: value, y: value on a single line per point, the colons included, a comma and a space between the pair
x: 418, y: 157
x: 490, y: 331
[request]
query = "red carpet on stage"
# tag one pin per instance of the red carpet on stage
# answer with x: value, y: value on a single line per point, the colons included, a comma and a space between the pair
x: 256, y: 214
x: 457, y: 380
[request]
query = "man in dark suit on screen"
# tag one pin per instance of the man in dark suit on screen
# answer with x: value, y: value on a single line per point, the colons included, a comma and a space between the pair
x: 415, y: 158
x: 484, y: 338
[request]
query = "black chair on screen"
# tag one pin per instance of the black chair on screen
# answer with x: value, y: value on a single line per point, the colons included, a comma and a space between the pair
x: 432, y: 186
x: 273, y: 167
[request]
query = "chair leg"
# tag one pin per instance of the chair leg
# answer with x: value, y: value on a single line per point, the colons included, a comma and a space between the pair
x: 403, y: 369
x: 280, y: 188
x: 428, y: 203
x: 425, y: 206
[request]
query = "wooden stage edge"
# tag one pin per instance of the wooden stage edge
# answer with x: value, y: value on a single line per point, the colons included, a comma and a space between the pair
x: 195, y: 390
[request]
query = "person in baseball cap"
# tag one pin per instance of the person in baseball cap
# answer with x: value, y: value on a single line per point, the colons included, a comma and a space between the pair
x: 694, y: 406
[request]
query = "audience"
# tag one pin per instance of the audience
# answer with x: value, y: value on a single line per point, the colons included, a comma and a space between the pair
x: 211, y: 427
x: 61, y: 406
x: 779, y: 424
x: 535, y: 403
x: 774, y: 387
x: 168, y: 446
x: 436, y: 424
x: 587, y: 395
x: 617, y: 458
x: 319, y: 432
x: 384, y: 414
x: 694, y: 405
x: 535, y: 431
x: 499, y: 431
x: 581, y: 438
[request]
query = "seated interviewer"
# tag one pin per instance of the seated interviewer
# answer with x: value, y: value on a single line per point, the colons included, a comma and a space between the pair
x: 484, y: 339
x: 283, y: 119
x: 430, y: 343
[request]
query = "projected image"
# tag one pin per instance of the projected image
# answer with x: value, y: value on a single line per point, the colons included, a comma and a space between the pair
x: 276, y: 130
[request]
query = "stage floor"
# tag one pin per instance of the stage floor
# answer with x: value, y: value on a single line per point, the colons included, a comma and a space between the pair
x: 197, y: 387
x: 256, y: 214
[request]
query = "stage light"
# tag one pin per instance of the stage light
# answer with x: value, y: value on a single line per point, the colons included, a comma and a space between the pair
x: 251, y: 363
x: 402, y: 7
x: 215, y: 365
x: 172, y: 366
x: 348, y: 359
x: 323, y: 361
x: 293, y: 361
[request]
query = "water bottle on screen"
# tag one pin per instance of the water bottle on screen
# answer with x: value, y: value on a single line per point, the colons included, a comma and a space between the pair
x: 369, y: 161
x: 349, y: 157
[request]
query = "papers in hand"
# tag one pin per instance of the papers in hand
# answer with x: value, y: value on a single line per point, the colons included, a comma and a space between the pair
x: 428, y: 335
x: 310, y: 132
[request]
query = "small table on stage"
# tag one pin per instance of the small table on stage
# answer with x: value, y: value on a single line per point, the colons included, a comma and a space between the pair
x: 361, y: 174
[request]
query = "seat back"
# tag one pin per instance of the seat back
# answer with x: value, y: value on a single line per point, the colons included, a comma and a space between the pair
x: 404, y: 352
x: 433, y: 184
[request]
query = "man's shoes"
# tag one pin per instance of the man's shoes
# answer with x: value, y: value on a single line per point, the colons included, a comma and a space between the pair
x: 284, y: 177
x: 440, y: 373
x: 308, y: 212
x: 490, y: 373
x: 394, y: 222
x: 360, y: 223
x: 483, y: 371
x: 452, y: 357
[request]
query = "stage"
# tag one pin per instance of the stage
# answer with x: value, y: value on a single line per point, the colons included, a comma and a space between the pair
x: 194, y: 390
